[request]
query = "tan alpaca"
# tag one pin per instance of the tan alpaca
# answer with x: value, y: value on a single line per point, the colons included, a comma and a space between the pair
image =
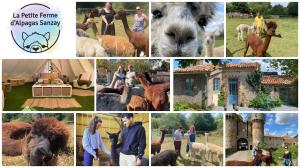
x: 213, y: 149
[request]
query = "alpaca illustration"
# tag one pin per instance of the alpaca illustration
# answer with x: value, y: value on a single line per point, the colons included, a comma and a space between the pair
x: 35, y: 42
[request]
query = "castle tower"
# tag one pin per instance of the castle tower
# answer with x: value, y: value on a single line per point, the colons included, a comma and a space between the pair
x: 258, y: 122
x: 231, y: 132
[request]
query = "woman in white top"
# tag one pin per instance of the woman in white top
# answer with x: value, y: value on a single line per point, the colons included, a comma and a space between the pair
x: 130, y: 76
x: 118, y: 78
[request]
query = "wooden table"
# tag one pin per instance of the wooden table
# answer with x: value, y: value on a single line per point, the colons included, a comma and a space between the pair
x: 17, y: 81
x: 51, y: 90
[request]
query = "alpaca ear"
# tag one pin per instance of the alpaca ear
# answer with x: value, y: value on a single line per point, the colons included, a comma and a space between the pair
x: 47, y: 35
x: 118, y: 132
x: 108, y: 133
x: 24, y: 35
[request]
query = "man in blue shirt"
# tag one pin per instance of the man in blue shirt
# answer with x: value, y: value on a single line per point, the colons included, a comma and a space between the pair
x: 133, y: 141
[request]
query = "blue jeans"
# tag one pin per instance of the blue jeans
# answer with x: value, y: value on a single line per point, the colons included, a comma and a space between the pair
x: 287, y: 162
x: 88, y: 158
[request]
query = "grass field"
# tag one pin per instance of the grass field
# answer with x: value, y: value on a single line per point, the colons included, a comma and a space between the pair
x: 168, y: 144
x: 19, y: 94
x: 286, y: 46
x: 65, y: 158
x: 118, y: 26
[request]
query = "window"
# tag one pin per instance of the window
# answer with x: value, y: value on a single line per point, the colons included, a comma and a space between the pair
x: 216, y: 84
x: 188, y: 85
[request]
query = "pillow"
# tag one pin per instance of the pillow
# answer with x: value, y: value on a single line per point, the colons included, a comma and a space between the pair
x: 85, y: 76
x: 44, y: 75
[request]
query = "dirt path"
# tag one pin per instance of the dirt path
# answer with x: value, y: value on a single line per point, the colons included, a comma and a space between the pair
x: 240, y: 156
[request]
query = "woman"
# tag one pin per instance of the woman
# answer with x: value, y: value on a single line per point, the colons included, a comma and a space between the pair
x: 92, y: 141
x: 259, y: 23
x: 177, y: 136
x: 140, y: 21
x: 191, y: 136
x: 287, y: 157
x: 118, y: 78
x: 108, y: 19
x: 130, y: 76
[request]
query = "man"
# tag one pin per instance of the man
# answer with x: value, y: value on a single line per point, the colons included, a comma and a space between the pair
x: 177, y: 140
x: 254, y: 153
x: 133, y: 141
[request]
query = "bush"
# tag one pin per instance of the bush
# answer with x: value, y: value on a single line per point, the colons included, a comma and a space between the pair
x: 264, y: 101
x: 277, y: 155
x: 221, y: 96
x: 186, y: 106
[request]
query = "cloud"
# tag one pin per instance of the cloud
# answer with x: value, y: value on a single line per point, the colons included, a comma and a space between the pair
x: 284, y: 4
x: 216, y: 24
x: 285, y: 119
x: 264, y: 66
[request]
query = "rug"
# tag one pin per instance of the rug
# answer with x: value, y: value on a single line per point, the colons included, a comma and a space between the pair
x: 81, y: 92
x: 51, y: 103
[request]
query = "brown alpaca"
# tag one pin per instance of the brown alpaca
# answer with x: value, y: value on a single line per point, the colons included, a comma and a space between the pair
x: 258, y: 46
x: 114, y: 45
x: 137, y: 103
x: 156, y: 145
x: 39, y: 142
x: 156, y: 94
x: 267, y: 158
x: 138, y: 39
x: 244, y: 163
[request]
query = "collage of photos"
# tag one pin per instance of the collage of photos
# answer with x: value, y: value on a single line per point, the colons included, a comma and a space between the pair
x: 151, y: 83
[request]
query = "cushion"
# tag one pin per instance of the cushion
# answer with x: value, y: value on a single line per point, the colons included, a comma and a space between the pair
x: 85, y: 76
x: 84, y: 82
x: 44, y: 75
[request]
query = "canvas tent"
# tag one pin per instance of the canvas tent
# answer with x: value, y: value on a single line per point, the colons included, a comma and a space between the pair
x: 28, y: 68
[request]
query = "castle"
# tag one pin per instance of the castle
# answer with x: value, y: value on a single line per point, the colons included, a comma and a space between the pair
x: 242, y: 135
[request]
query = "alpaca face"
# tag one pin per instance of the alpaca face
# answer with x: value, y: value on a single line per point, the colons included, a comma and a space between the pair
x: 35, y: 42
x: 40, y: 152
x: 272, y: 26
x: 209, y: 39
x: 113, y: 137
x: 176, y: 27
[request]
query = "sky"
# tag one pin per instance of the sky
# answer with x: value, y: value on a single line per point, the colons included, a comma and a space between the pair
x: 284, y: 4
x: 213, y: 114
x: 217, y: 23
x: 279, y: 124
x: 263, y: 65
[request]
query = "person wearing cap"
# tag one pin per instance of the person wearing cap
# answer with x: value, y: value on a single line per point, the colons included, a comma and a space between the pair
x: 141, y: 20
x: 92, y: 141
x: 177, y: 136
x: 254, y: 153
x: 287, y: 157
x: 133, y: 141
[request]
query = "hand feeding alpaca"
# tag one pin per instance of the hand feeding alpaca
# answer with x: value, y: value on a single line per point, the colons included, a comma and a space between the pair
x: 213, y: 149
x: 138, y: 39
x: 209, y: 46
x: 177, y: 27
x: 258, y: 46
x: 194, y: 148
x: 41, y: 145
x: 244, y: 28
x: 113, y: 45
x: 156, y: 145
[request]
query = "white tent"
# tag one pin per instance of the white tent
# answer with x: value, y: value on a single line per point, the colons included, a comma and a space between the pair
x: 28, y: 68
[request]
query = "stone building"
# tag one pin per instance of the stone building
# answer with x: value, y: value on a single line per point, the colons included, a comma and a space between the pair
x: 242, y: 135
x: 202, y: 84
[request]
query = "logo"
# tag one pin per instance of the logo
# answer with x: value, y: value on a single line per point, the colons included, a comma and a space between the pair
x: 35, y: 28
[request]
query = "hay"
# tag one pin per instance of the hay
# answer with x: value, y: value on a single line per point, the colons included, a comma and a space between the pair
x: 51, y: 103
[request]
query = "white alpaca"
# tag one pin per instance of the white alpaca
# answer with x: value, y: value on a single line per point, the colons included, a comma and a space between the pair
x: 213, y: 149
x: 177, y: 27
x: 241, y: 28
x: 209, y: 49
x: 88, y: 47
x: 195, y: 148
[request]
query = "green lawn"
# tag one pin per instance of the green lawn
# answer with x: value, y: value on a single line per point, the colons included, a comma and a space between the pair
x: 19, y: 94
x: 286, y: 46
x: 168, y: 144
x: 118, y: 25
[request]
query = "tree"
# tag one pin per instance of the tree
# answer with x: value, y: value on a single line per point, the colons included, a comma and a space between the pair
x: 202, y: 122
x: 254, y: 80
x: 262, y: 7
x: 241, y: 7
x: 287, y: 66
x: 172, y: 121
x: 293, y: 8
x: 278, y: 10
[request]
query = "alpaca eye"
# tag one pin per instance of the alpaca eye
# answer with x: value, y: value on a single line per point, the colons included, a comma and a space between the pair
x: 189, y: 38
x: 202, y: 22
x: 170, y: 34
x: 157, y: 14
x: 43, y: 46
x: 192, y: 6
x: 28, y: 46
